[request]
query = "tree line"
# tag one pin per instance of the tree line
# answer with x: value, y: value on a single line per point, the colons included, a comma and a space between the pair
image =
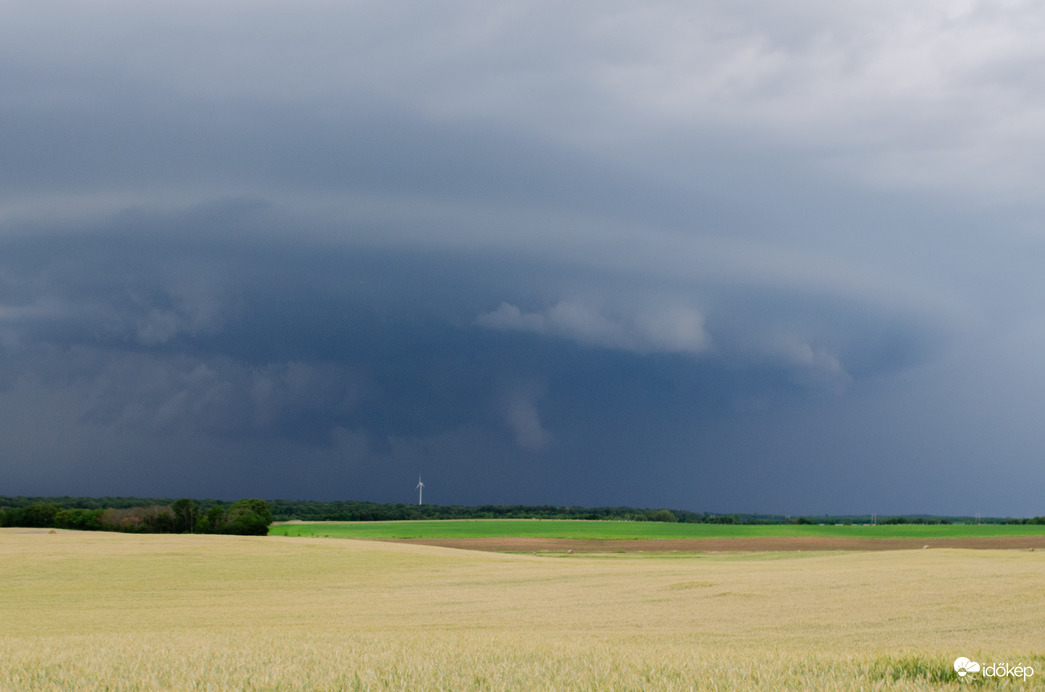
x: 349, y: 510
x: 162, y: 515
x: 250, y: 517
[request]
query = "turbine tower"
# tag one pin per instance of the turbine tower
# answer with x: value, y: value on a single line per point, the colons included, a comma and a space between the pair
x: 420, y: 490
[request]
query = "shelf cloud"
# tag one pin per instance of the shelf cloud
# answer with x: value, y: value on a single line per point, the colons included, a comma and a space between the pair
x: 723, y: 256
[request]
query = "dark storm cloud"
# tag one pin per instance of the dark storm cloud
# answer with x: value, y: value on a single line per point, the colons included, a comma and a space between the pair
x: 706, y: 255
x: 342, y: 355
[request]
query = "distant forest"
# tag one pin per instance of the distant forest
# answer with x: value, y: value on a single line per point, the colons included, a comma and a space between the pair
x: 137, y: 515
x: 164, y: 515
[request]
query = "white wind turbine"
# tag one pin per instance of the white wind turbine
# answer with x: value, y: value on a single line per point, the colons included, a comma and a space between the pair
x: 420, y: 490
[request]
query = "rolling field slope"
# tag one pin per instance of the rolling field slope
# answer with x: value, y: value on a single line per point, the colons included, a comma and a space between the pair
x: 127, y: 612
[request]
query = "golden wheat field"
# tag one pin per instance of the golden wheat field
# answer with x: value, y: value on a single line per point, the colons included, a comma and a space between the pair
x: 146, y: 612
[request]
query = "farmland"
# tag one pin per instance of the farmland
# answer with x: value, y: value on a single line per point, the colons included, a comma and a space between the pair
x: 121, y: 611
x: 623, y: 530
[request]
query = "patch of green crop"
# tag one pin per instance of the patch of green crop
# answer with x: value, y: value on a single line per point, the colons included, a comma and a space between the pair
x: 619, y: 530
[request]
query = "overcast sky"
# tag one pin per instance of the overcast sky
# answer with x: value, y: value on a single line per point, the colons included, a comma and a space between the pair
x: 720, y: 256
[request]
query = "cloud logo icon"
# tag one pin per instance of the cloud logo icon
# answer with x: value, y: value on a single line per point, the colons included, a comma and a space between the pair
x: 962, y: 666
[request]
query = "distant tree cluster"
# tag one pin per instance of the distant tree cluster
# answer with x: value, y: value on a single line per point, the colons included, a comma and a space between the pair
x: 252, y: 517
x: 246, y: 517
x: 347, y: 510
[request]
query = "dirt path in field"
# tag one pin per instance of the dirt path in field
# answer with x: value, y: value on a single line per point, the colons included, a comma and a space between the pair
x: 715, y: 545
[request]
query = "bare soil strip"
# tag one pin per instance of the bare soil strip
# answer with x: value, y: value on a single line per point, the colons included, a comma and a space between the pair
x: 722, y: 545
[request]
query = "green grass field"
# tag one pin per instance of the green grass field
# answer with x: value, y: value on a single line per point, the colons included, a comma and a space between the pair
x: 106, y: 611
x: 537, y: 528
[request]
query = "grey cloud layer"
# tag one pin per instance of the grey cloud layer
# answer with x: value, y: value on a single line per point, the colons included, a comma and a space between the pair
x: 669, y: 242
x: 940, y: 94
